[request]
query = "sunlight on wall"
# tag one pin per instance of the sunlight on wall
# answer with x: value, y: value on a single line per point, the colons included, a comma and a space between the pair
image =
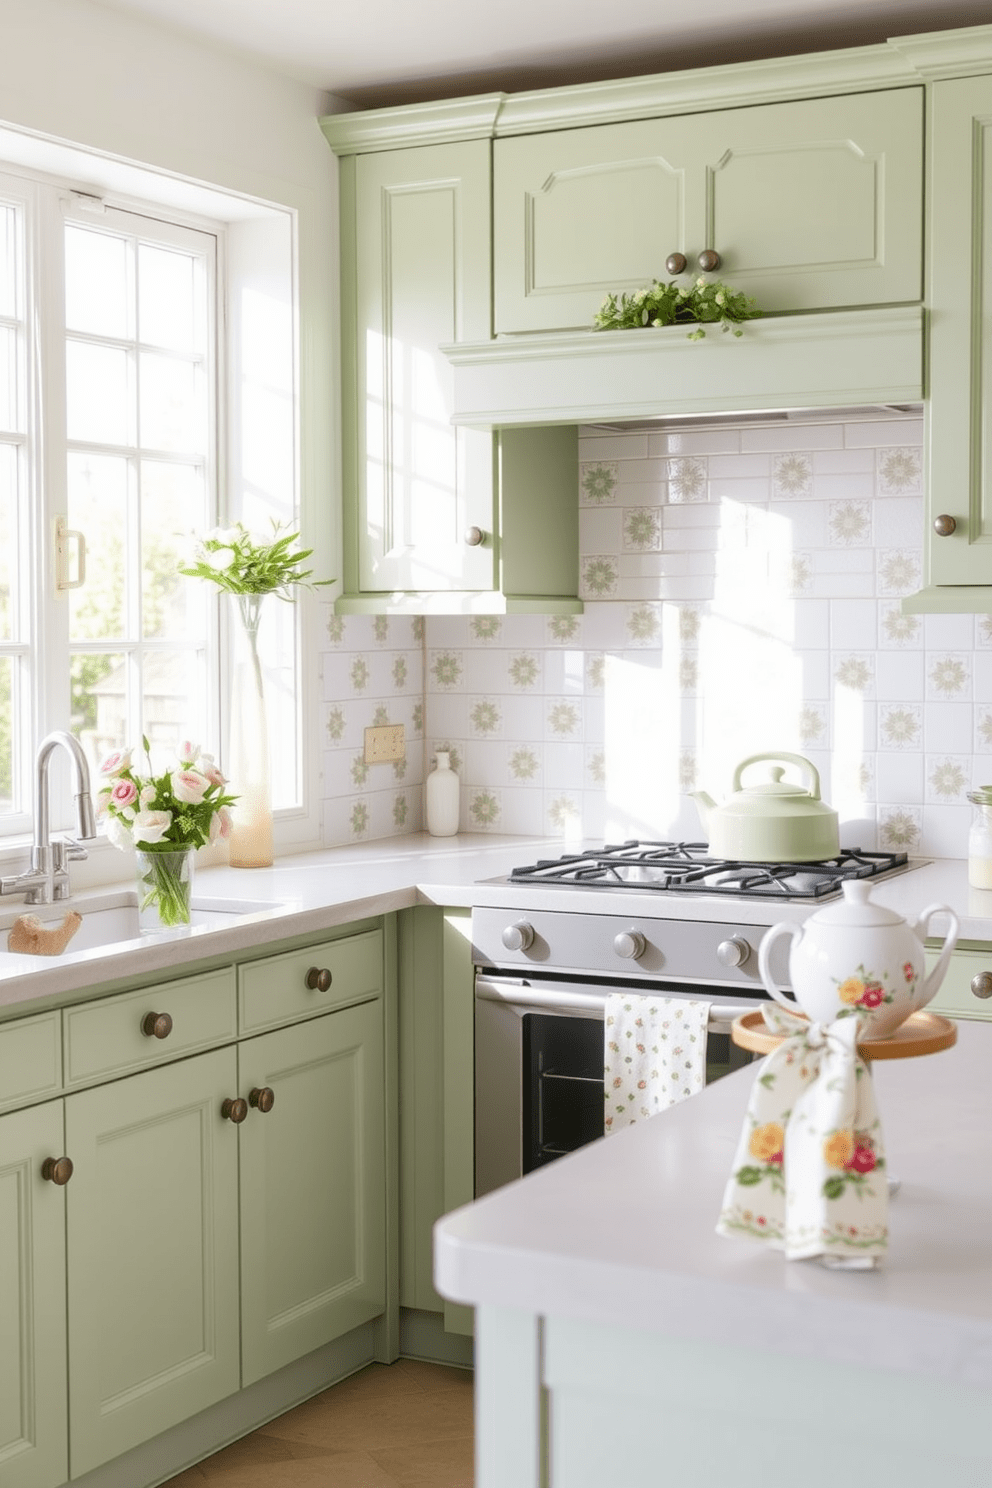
x: 642, y: 748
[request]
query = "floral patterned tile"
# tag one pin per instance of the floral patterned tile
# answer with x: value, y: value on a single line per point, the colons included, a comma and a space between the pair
x: 598, y: 481
x: 947, y: 777
x: 792, y: 475
x: 899, y: 827
x: 849, y: 523
x: 899, y: 471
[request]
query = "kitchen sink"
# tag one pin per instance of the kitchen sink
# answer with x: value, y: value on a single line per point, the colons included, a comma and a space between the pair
x: 111, y: 919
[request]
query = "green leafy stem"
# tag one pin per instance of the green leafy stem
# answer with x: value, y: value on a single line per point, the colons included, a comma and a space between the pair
x: 704, y: 302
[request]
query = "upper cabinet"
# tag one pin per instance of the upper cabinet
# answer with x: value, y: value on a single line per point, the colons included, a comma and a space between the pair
x: 959, y: 292
x: 812, y: 204
x: 426, y: 503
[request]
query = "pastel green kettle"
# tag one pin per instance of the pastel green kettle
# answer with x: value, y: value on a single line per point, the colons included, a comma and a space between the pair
x: 772, y: 820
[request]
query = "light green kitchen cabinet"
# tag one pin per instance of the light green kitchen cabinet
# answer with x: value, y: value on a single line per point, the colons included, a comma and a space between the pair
x: 152, y: 1242
x: 437, y: 1164
x: 811, y: 204
x: 958, y: 554
x: 312, y: 1186
x: 33, y: 1414
x: 437, y: 519
x: 970, y: 967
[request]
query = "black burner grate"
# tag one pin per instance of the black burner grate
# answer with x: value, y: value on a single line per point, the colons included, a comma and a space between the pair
x: 686, y: 867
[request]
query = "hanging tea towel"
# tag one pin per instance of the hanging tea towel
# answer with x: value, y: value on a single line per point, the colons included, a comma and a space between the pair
x: 655, y: 1055
x: 809, y: 1174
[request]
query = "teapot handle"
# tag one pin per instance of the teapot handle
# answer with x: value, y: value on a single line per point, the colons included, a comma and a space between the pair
x: 931, y: 985
x: 792, y: 759
x: 787, y: 927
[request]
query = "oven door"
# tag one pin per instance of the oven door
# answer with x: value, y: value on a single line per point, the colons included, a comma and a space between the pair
x: 539, y: 1069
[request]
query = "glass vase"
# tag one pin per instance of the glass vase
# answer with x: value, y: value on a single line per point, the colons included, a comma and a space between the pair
x: 165, y: 889
x: 250, y: 843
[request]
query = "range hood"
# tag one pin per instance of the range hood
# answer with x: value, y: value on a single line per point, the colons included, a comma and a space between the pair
x: 831, y: 360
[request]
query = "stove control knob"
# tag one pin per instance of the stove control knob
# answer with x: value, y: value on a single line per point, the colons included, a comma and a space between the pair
x: 733, y: 952
x: 630, y: 944
x: 518, y: 937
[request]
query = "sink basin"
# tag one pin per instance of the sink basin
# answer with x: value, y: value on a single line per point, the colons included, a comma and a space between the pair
x: 111, y: 919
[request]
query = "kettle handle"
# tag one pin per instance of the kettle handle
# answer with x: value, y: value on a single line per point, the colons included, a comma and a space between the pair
x: 931, y: 985
x: 787, y: 927
x: 784, y: 757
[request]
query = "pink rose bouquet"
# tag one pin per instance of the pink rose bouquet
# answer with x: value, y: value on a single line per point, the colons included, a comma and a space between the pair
x: 163, y: 814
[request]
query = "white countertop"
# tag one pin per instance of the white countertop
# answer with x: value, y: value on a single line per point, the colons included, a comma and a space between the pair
x: 623, y: 1232
x: 310, y: 892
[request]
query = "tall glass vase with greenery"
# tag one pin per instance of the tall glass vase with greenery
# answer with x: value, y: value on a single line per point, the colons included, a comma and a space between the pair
x: 248, y: 568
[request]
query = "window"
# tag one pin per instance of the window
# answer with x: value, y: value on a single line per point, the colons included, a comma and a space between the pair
x: 108, y: 440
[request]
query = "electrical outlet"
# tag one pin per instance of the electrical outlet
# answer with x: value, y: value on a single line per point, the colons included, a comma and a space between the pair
x: 384, y: 744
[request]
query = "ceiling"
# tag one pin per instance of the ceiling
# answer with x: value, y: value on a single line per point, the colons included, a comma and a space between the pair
x: 397, y: 51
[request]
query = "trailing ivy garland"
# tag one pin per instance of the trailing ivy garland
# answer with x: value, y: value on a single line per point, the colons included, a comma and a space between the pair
x: 706, y: 302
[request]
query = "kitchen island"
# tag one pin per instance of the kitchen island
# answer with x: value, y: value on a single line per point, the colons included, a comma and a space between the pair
x: 618, y: 1338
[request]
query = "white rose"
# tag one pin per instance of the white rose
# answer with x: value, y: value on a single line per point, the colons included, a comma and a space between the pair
x: 117, y: 833
x: 146, y: 795
x: 188, y: 786
x: 150, y: 827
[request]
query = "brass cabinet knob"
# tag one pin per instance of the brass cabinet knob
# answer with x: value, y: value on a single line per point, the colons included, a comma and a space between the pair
x: 57, y: 1170
x: 262, y: 1098
x: 709, y: 260
x: 944, y: 525
x: 981, y: 985
x: 675, y: 263
x: 319, y: 979
x: 156, y: 1025
x: 234, y: 1110
x: 474, y: 537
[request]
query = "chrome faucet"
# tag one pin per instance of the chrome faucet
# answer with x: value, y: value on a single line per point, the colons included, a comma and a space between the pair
x: 48, y: 877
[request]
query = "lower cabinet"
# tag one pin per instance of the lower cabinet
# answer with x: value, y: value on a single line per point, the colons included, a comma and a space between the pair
x: 33, y: 1406
x: 965, y: 990
x: 312, y: 1187
x: 182, y: 1231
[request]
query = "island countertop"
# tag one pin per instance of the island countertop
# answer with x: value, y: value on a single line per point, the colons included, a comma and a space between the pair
x: 623, y: 1232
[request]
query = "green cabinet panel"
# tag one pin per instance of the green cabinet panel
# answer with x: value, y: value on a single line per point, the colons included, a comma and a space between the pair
x: 152, y: 1226
x: 422, y: 224
x: 958, y: 573
x: 437, y: 1161
x: 812, y: 204
x: 437, y: 519
x: 33, y: 1415
x: 30, y: 1060
x: 312, y: 1187
x: 954, y: 995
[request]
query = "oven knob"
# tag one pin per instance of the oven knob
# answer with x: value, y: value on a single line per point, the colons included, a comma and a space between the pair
x: 630, y: 944
x: 518, y: 937
x: 733, y: 952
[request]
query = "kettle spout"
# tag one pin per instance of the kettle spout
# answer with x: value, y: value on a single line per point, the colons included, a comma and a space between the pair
x: 704, y: 805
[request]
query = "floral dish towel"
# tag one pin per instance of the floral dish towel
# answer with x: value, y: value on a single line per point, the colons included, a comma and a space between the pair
x: 809, y: 1174
x: 655, y: 1055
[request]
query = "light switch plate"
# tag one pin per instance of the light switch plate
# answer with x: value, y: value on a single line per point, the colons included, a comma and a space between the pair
x: 384, y: 744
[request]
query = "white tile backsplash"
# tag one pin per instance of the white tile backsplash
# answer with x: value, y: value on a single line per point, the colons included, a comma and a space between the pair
x: 742, y: 596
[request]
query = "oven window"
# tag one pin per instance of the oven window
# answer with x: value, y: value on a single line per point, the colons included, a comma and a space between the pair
x: 562, y: 1086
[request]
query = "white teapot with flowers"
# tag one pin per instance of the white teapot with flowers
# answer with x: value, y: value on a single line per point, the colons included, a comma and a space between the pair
x: 856, y: 958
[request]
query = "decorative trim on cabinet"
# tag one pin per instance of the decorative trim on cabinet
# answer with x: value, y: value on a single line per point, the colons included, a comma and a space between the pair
x: 838, y: 358
x: 406, y: 125
x: 965, y: 52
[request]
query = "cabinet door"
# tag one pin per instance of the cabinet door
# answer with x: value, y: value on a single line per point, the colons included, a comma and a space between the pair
x: 811, y: 204
x: 959, y: 475
x: 422, y: 279
x: 312, y: 1186
x: 32, y: 1302
x: 153, y: 1254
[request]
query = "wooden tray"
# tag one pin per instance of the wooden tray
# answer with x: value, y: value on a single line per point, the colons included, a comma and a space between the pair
x: 922, y: 1033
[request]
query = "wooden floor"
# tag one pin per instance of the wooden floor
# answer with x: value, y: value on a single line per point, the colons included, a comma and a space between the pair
x: 389, y: 1426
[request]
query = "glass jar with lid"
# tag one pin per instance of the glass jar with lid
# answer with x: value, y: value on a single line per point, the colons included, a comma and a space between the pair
x: 980, y: 838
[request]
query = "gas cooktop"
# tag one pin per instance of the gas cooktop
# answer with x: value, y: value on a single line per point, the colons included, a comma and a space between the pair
x: 686, y: 867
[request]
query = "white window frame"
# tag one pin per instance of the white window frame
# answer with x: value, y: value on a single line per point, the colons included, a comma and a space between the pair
x: 244, y: 223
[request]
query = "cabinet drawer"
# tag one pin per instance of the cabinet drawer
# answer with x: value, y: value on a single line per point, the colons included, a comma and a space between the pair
x: 955, y: 997
x: 30, y: 1060
x: 106, y: 1038
x: 276, y: 990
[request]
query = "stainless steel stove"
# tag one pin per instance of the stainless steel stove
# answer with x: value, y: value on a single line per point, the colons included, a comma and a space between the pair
x: 654, y: 918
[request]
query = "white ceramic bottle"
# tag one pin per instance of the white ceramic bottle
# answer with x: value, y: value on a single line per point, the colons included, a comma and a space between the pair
x: 442, y: 798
